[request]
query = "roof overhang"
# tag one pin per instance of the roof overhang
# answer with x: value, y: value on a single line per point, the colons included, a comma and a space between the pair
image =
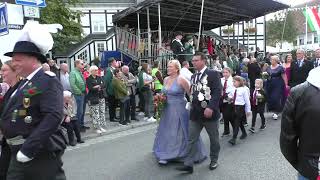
x: 184, y: 15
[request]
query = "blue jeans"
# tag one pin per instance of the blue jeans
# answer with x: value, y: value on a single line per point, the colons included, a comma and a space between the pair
x: 80, y: 102
x: 300, y: 177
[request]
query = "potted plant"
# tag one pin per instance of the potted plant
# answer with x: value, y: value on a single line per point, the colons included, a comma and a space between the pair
x: 228, y: 30
x: 251, y: 30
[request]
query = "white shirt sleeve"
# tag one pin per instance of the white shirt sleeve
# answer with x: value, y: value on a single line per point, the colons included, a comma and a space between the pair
x: 246, y: 97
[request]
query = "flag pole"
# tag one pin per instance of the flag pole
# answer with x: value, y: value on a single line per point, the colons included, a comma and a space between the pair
x: 306, y: 41
x: 200, y: 25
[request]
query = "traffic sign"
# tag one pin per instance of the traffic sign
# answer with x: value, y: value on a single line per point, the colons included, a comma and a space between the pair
x: 31, y: 12
x: 4, y: 29
x: 36, y: 3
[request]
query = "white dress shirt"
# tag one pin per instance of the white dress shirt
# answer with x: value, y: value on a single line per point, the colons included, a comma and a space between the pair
x: 243, y: 98
x: 184, y: 72
x: 230, y: 88
x: 200, y: 75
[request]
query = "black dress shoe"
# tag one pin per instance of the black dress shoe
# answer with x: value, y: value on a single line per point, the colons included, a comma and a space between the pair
x: 225, y: 134
x: 80, y: 142
x: 243, y: 136
x: 72, y: 144
x: 213, y: 165
x: 114, y: 120
x: 232, y: 141
x: 85, y: 127
x: 188, y: 169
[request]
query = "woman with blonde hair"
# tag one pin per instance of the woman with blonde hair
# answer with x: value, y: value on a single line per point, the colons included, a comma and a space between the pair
x: 96, y: 100
x: 172, y: 135
x: 10, y: 77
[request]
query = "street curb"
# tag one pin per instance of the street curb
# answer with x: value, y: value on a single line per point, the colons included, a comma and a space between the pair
x: 117, y: 130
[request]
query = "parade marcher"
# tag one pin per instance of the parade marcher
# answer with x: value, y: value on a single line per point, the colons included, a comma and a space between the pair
x: 10, y: 77
x: 206, y: 92
x: 78, y: 89
x: 299, y: 69
x: 31, y: 118
x: 254, y: 72
x: 258, y: 104
x: 242, y: 108
x: 316, y: 61
x: 130, y: 82
x: 227, y: 95
x: 177, y: 47
x: 299, y: 137
x: 112, y: 102
x: 172, y: 135
x: 275, y: 87
x: 97, y: 104
x: 69, y: 119
x: 121, y: 93
x: 188, y: 46
x: 287, y: 70
x: 157, y: 76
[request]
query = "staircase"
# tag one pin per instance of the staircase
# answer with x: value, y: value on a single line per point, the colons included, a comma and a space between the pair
x: 137, y: 48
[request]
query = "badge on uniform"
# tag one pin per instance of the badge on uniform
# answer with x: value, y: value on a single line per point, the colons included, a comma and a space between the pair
x: 14, y: 115
x: 26, y: 102
x: 28, y: 119
x: 22, y: 112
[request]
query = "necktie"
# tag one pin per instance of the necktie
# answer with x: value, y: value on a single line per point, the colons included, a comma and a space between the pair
x: 198, y: 77
x: 255, y: 97
x: 317, y: 62
x: 225, y: 87
x: 21, y: 85
x: 234, y: 97
x: 300, y: 63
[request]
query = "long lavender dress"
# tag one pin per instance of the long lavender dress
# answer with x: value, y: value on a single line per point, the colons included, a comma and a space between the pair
x: 172, y: 136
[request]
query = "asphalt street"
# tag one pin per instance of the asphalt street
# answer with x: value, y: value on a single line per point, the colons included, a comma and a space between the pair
x: 128, y: 156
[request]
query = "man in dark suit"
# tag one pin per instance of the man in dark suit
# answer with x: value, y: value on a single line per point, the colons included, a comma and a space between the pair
x: 206, y: 91
x: 316, y: 61
x: 254, y: 72
x: 31, y: 118
x: 299, y: 69
x: 177, y: 47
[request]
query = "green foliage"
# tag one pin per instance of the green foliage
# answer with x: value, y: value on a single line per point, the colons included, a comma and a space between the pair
x: 275, y: 28
x: 58, y: 11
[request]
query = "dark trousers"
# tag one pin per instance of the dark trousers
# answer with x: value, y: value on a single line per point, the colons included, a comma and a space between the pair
x: 147, y: 97
x: 72, y: 126
x: 141, y: 102
x: 4, y: 159
x: 258, y: 110
x: 84, y: 107
x: 195, y: 128
x: 133, y: 106
x: 227, y: 113
x: 45, y: 166
x: 238, y: 120
x: 125, y: 111
x: 112, y: 107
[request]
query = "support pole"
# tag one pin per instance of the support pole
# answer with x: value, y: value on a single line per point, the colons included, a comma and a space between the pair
x: 238, y: 46
x: 228, y: 35
x: 264, y: 36
x: 149, y: 37
x: 248, y: 37
x: 139, y: 39
x: 200, y: 25
x: 284, y: 27
x: 159, y: 33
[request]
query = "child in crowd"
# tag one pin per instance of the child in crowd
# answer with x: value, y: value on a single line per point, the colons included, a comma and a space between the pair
x: 242, y: 108
x: 69, y: 119
x: 258, y: 105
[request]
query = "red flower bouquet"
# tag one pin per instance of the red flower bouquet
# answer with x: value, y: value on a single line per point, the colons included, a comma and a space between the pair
x: 159, y: 102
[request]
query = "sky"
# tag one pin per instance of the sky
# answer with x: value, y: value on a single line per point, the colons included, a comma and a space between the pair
x: 295, y: 2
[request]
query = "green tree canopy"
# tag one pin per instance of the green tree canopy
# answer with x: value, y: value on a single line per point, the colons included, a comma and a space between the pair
x: 275, y: 28
x: 58, y: 11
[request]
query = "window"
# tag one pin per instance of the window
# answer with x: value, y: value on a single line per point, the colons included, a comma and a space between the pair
x: 100, y: 46
x: 301, y: 41
x: 315, y: 39
x: 98, y: 23
x: 83, y: 55
x: 109, y: 20
x: 85, y: 20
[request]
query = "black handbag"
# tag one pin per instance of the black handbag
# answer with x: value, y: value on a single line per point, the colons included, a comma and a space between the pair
x: 94, y: 100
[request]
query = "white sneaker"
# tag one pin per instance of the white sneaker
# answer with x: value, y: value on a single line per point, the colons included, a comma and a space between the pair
x: 152, y: 119
x: 103, y: 130
x: 141, y: 114
x: 99, y: 131
x: 275, y: 116
x: 145, y: 118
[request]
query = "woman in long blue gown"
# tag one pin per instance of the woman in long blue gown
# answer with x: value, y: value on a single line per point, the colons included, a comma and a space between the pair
x: 172, y: 134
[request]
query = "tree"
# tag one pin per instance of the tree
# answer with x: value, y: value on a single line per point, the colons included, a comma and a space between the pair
x: 58, y: 11
x: 275, y: 29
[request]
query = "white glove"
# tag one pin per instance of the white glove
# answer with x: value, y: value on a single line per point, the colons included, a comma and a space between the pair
x: 22, y: 158
x: 188, y: 106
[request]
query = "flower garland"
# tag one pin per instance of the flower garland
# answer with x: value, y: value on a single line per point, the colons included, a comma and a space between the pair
x: 160, y: 101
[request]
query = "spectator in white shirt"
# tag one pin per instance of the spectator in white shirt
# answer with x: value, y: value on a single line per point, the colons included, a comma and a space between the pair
x: 242, y: 108
x: 185, y: 72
